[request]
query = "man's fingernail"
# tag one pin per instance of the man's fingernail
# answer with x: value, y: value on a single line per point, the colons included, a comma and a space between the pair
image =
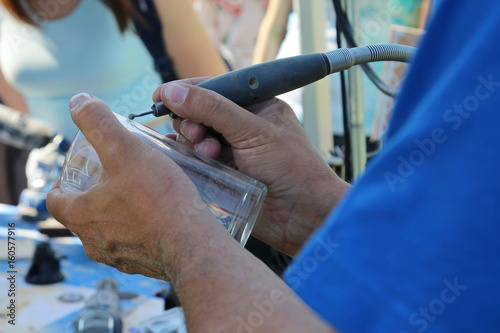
x: 78, y: 99
x: 187, y: 129
x: 182, y: 139
x: 205, y: 147
x: 174, y: 93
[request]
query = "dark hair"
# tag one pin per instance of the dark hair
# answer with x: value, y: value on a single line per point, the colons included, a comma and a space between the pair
x: 124, y: 11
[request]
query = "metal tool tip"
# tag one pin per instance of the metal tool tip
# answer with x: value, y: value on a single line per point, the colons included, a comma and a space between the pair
x: 140, y: 114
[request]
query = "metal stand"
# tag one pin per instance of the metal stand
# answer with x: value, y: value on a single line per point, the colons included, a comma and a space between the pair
x: 316, y: 96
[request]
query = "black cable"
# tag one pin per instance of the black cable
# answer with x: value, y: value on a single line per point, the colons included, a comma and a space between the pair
x: 348, y: 34
x: 345, y: 117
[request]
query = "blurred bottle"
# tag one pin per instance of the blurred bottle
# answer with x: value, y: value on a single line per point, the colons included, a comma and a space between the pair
x: 42, y: 170
x: 102, y: 312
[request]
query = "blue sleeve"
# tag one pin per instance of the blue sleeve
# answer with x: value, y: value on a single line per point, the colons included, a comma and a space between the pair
x: 414, y: 246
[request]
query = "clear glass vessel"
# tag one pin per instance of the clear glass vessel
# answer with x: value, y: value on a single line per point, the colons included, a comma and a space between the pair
x: 233, y: 197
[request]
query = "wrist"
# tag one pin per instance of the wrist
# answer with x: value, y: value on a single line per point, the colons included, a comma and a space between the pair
x: 322, y: 192
x: 330, y: 189
x: 191, y: 244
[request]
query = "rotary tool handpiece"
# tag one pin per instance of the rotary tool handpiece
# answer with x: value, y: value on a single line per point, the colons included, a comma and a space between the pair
x: 266, y: 80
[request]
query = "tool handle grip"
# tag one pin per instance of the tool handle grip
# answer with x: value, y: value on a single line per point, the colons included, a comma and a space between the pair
x: 263, y: 81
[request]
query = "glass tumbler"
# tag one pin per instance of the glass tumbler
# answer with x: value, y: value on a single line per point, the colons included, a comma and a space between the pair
x: 234, y: 198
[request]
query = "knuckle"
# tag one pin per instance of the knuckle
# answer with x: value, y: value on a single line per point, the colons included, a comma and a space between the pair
x: 283, y: 111
x: 92, y: 253
x: 281, y: 104
x: 117, y: 150
x: 53, y: 205
x: 212, y: 106
x: 266, y: 134
x: 109, y: 245
x: 127, y: 267
x: 63, y: 208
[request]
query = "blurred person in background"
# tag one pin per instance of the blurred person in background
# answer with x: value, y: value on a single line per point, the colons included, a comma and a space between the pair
x: 52, y: 49
x: 279, y: 37
x: 233, y: 26
x: 272, y: 30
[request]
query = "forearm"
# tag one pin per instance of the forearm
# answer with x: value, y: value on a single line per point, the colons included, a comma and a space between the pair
x: 324, y: 194
x: 272, y: 30
x: 321, y: 191
x: 11, y: 97
x: 188, y: 44
x: 223, y: 288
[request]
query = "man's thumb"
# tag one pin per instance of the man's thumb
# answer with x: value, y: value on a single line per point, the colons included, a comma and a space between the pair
x: 212, y: 110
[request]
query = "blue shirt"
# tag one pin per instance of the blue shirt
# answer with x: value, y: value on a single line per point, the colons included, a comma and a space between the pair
x: 414, y: 246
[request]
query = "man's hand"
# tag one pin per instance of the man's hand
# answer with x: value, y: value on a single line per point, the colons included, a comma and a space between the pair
x: 269, y: 144
x: 122, y: 221
x: 132, y: 219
